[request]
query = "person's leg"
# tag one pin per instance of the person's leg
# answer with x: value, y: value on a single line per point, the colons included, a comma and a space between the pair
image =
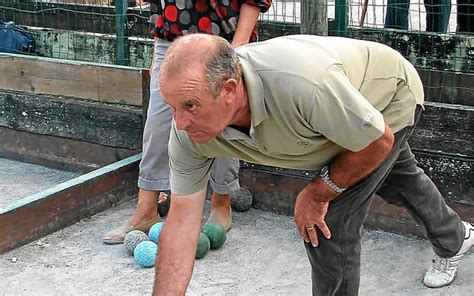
x: 437, y: 15
x: 154, y: 168
x: 407, y: 185
x: 465, y: 16
x: 397, y: 14
x: 336, y: 262
x: 223, y: 180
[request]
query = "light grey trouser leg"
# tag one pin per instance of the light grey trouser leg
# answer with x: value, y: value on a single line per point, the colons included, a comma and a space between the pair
x: 154, y: 166
x: 336, y: 262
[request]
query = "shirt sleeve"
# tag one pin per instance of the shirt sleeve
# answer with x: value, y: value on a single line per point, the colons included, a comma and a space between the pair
x: 343, y: 115
x: 264, y: 5
x: 189, y: 171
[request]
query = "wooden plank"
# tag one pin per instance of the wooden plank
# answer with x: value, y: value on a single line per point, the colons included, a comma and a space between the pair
x: 108, y: 125
x: 448, y: 87
x: 395, y: 219
x: 445, y: 128
x: 60, y: 206
x: 452, y: 175
x: 57, y: 152
x: 276, y: 190
x: 94, y: 82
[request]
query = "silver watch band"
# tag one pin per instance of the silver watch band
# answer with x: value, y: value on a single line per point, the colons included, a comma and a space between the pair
x: 324, y: 174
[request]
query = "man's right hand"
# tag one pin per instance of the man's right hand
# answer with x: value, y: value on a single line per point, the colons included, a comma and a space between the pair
x: 309, y: 217
x: 178, y: 243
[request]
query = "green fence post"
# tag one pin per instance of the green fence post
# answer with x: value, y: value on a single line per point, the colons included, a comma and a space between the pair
x: 341, y: 18
x: 121, y: 54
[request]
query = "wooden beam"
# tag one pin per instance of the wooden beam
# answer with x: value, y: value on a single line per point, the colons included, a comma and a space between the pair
x: 96, y: 82
x: 276, y: 190
x: 108, y: 125
x: 43, y: 213
x: 274, y: 186
x: 58, y: 152
x: 445, y: 128
x: 448, y: 87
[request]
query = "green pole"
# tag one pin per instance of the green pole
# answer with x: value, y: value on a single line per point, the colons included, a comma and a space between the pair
x: 341, y: 18
x: 121, y: 54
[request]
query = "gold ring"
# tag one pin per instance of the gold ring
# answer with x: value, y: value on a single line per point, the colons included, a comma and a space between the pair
x: 310, y: 228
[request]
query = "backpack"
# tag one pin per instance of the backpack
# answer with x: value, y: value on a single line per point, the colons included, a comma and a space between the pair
x: 16, y: 39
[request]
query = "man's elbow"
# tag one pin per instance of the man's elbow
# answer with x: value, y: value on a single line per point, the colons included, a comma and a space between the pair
x: 386, y: 141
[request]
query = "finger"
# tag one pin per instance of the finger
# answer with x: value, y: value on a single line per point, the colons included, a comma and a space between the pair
x: 313, y: 236
x: 162, y: 197
x: 302, y: 231
x: 323, y: 227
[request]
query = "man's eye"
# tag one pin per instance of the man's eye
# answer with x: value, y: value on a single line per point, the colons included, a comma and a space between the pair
x: 191, y: 107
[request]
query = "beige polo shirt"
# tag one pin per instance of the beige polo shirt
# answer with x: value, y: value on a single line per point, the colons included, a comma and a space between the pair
x: 311, y: 98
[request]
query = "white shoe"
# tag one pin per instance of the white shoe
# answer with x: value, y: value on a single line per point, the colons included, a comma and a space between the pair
x: 443, y: 270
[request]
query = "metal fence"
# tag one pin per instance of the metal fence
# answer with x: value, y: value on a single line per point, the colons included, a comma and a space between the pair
x: 434, y: 34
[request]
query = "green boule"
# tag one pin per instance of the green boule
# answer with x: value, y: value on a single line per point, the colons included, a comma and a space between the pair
x: 203, y: 246
x: 216, y: 234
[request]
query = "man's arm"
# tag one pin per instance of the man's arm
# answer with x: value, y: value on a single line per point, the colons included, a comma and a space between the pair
x: 178, y: 243
x: 345, y: 171
x: 247, y: 21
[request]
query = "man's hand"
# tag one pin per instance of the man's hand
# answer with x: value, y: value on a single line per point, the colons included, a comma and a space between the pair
x: 309, y: 217
x: 178, y: 243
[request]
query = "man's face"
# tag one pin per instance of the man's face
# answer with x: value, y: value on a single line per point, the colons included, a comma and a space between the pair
x: 194, y: 108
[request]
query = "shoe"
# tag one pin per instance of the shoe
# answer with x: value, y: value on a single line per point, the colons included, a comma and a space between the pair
x: 117, y: 235
x: 443, y: 270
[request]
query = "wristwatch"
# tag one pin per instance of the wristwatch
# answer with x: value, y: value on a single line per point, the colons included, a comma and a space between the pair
x: 324, y: 174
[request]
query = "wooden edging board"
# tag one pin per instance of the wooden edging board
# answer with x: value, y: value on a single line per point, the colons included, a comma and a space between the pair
x: 62, y: 205
x: 86, y: 80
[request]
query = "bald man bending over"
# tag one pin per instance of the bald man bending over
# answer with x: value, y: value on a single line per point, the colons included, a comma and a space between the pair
x: 343, y: 107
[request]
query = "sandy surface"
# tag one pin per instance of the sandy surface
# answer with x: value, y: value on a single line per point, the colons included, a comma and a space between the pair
x: 19, y: 179
x: 262, y: 256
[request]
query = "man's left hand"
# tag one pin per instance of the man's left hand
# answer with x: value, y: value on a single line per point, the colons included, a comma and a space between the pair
x: 309, y: 217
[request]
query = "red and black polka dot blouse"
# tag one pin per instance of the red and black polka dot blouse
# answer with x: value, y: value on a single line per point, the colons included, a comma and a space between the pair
x: 217, y: 17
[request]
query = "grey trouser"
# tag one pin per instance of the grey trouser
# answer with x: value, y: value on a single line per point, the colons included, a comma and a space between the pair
x: 154, y: 166
x: 336, y: 262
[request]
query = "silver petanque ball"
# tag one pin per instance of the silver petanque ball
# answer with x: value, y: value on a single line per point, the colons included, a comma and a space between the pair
x: 132, y: 239
x: 241, y: 200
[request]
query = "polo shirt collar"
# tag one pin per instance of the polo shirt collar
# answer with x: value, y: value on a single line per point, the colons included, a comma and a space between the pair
x: 255, y: 93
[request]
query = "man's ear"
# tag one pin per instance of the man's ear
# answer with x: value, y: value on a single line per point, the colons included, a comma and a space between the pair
x: 229, y: 88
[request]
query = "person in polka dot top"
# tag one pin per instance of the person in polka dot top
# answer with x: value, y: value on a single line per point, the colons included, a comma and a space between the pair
x: 216, y: 17
x: 234, y: 20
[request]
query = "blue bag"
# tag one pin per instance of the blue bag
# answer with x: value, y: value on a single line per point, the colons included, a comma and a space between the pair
x: 16, y: 39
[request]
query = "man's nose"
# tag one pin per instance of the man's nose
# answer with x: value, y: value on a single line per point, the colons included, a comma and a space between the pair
x: 182, y: 120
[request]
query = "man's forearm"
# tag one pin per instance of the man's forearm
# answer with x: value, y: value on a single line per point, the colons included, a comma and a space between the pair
x: 351, y: 167
x: 247, y: 21
x: 177, y: 245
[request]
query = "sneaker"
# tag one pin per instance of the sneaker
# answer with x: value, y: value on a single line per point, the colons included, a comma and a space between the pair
x: 443, y: 270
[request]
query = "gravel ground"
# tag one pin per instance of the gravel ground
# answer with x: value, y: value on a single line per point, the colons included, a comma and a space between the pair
x: 263, y: 255
x: 19, y: 179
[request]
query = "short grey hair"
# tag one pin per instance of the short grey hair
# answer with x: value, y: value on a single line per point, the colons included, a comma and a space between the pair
x: 223, y: 64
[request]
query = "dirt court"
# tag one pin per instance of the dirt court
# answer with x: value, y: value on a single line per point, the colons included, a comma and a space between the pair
x: 19, y: 179
x: 262, y: 256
